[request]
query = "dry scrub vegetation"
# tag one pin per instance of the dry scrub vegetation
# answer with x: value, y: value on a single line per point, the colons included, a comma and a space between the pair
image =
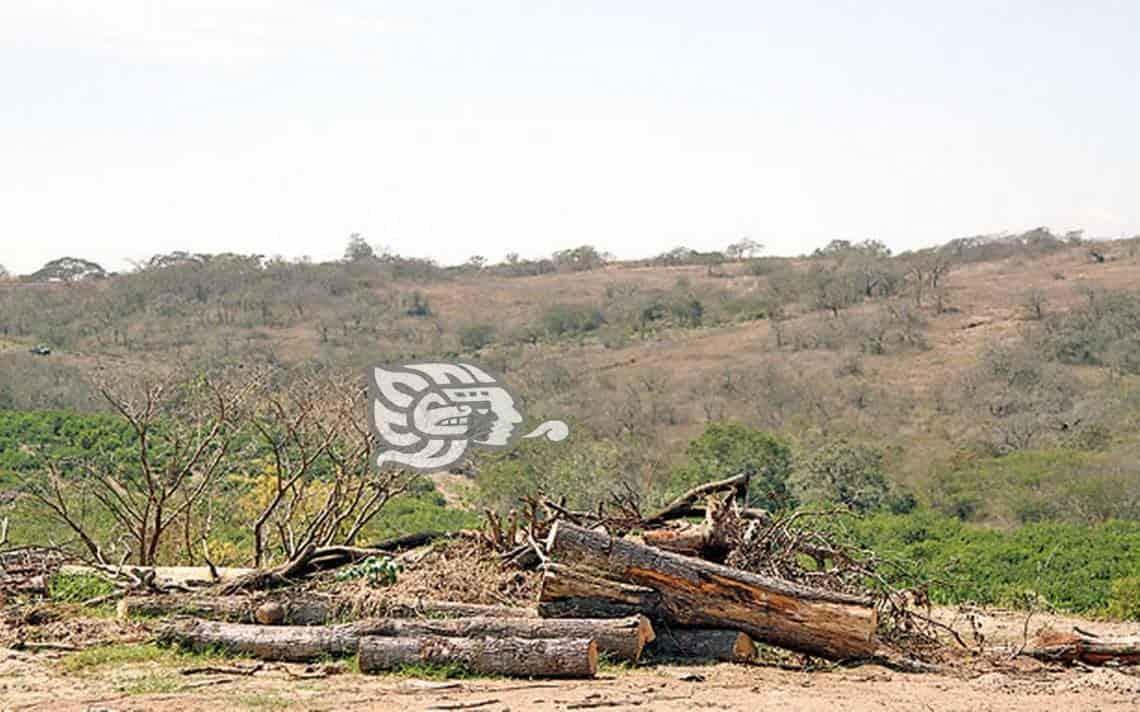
x: 988, y: 381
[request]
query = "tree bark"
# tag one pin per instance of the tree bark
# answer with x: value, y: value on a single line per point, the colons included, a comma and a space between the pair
x: 1075, y: 647
x: 573, y: 593
x: 684, y: 505
x: 426, y: 608
x: 708, y: 540
x: 623, y: 638
x: 695, y: 592
x: 730, y: 646
x: 307, y: 609
x: 285, y: 643
x: 302, y: 609
x: 517, y: 657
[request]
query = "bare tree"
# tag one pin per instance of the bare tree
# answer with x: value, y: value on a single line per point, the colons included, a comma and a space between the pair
x: 184, y: 434
x: 1035, y: 304
x: 324, y: 489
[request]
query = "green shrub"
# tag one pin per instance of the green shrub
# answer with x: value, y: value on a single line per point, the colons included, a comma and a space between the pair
x: 570, y: 319
x: 843, y: 472
x: 475, y: 336
x: 417, y: 512
x: 1035, y: 486
x: 583, y: 472
x: 77, y: 588
x: 376, y: 570
x: 1071, y: 566
x: 727, y: 449
x: 1124, y: 598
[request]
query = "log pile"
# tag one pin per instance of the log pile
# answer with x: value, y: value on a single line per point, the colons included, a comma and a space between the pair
x: 599, y: 594
x: 618, y: 584
x: 568, y: 646
x: 622, y: 638
x: 695, y: 592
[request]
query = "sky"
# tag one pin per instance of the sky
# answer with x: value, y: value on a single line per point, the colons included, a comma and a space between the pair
x: 449, y: 129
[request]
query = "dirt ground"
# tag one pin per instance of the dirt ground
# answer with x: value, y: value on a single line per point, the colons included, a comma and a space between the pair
x: 59, y: 680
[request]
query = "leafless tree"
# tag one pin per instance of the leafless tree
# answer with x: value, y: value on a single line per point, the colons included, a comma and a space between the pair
x: 184, y: 434
x: 324, y: 488
x: 1035, y: 304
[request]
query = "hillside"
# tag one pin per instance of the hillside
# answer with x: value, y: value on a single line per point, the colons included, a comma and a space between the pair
x: 850, y: 342
x: 962, y: 419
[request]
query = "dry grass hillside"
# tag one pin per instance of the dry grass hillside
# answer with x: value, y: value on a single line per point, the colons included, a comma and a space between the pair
x: 908, y: 355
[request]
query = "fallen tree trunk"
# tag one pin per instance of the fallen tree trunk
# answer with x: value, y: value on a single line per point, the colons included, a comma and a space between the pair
x: 308, y: 609
x: 1053, y: 646
x: 284, y: 643
x: 704, y: 644
x: 573, y: 593
x: 302, y: 609
x: 517, y: 657
x: 695, y: 592
x: 708, y: 540
x: 416, y: 608
x: 164, y: 576
x: 684, y: 505
x: 624, y: 638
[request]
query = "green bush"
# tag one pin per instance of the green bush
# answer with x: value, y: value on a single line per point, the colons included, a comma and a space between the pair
x: 1072, y: 567
x: 847, y: 473
x: 583, y: 472
x: 59, y: 434
x: 376, y: 570
x: 727, y: 449
x: 77, y: 588
x: 1035, y: 486
x: 570, y: 319
x: 1124, y: 598
x: 475, y: 336
x: 425, y: 510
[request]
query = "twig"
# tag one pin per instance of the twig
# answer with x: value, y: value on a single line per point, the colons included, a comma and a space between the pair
x: 100, y: 600
x: 33, y: 646
x: 222, y: 670
x: 208, y: 683
x: 462, y: 705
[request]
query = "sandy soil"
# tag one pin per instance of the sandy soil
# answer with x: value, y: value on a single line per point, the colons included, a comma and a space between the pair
x: 42, y: 681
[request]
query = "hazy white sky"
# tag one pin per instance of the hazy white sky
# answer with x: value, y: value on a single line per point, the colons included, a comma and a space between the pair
x: 446, y: 129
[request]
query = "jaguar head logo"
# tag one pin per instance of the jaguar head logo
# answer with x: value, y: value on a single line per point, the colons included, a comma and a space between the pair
x: 426, y: 415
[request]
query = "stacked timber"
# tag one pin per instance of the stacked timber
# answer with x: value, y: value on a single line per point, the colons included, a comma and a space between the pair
x: 600, y: 573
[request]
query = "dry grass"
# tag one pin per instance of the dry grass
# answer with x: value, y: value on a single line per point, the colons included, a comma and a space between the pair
x: 459, y: 570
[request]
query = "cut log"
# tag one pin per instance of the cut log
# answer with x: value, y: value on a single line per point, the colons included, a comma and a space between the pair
x: 427, y: 608
x: 708, y: 540
x: 573, y: 593
x: 303, y: 609
x: 308, y: 609
x: 285, y: 643
x: 1054, y: 646
x: 623, y: 638
x: 701, y: 593
x: 517, y: 657
x: 165, y: 576
x: 730, y: 646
